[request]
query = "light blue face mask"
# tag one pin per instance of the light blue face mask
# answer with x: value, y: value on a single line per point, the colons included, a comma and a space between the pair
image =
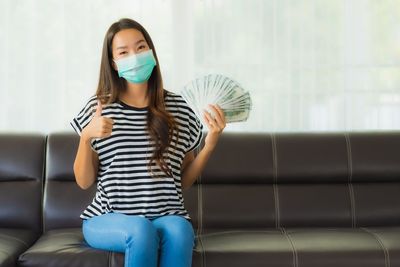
x: 136, y: 68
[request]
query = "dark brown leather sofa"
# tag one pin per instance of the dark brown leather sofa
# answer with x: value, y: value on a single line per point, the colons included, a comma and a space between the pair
x: 283, y: 199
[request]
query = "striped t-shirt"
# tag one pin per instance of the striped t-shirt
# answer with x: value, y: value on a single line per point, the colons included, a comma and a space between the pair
x: 124, y: 183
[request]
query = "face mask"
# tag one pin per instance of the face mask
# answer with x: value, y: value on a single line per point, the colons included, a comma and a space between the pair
x: 136, y: 68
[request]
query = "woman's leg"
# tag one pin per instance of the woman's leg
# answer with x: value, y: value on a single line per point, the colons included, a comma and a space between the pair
x: 177, y: 240
x: 134, y: 235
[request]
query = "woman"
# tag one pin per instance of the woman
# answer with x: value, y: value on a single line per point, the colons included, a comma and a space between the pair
x: 137, y: 140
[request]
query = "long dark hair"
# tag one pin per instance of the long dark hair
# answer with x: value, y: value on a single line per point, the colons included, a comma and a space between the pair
x: 160, y: 123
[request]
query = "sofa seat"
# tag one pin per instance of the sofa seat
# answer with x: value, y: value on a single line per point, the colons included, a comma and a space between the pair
x: 12, y: 243
x: 67, y: 248
x: 364, y: 246
x: 254, y: 247
x: 64, y: 247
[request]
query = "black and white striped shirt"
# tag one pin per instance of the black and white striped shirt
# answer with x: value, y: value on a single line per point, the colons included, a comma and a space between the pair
x: 124, y: 183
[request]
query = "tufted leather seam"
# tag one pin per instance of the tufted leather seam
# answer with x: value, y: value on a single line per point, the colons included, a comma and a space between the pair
x: 43, y: 182
x: 275, y: 182
x: 294, y: 252
x: 200, y: 224
x: 385, y: 251
x: 350, y: 178
x: 203, y: 253
x: 200, y: 217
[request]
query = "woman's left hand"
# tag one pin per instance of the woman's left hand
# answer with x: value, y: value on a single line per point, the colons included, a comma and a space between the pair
x: 215, y: 125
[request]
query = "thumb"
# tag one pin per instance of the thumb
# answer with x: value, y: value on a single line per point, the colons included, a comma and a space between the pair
x: 99, y: 109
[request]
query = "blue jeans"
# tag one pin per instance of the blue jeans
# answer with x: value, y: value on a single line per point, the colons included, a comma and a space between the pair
x: 142, y: 239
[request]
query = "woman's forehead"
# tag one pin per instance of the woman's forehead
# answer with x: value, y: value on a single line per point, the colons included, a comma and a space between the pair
x: 127, y: 37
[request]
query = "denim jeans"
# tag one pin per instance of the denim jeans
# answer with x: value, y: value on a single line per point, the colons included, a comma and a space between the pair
x: 167, y: 240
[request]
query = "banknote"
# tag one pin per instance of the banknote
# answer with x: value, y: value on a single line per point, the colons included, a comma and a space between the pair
x: 218, y: 89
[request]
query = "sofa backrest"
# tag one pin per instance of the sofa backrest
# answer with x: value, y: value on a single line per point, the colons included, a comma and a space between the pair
x: 236, y: 185
x: 302, y: 179
x: 21, y: 172
x: 64, y: 200
x: 251, y: 181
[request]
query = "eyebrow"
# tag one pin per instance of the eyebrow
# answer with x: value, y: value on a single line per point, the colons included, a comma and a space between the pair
x: 124, y: 47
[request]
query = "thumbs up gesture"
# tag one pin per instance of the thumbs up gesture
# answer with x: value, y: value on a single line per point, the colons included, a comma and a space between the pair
x: 99, y: 109
x: 99, y: 126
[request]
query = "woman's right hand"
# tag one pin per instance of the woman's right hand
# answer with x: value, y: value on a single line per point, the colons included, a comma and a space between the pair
x: 99, y: 126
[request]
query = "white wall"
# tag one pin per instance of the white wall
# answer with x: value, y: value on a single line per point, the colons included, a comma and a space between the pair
x: 310, y: 65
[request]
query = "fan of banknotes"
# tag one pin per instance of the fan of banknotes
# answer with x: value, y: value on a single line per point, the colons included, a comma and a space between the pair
x: 221, y: 90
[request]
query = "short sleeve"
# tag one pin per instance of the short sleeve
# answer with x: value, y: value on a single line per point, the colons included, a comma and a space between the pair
x: 82, y: 119
x: 195, y: 131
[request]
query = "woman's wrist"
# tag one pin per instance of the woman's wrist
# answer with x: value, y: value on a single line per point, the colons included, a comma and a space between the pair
x: 85, y: 137
x: 208, y: 149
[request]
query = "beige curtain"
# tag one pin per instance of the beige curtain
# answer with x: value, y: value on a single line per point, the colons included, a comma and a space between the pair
x: 310, y: 65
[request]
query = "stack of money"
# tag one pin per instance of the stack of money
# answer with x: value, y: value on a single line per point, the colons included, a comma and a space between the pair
x: 220, y: 90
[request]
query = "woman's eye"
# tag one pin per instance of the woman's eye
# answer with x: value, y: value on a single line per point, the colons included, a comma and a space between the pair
x: 122, y: 53
x: 142, y: 46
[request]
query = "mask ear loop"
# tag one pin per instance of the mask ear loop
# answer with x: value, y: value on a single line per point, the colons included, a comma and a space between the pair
x: 116, y: 66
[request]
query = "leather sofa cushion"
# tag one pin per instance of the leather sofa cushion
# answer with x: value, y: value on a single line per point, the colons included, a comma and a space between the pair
x: 12, y: 243
x: 63, y: 248
x: 256, y: 247
x: 21, y: 180
x: 67, y: 248
x: 328, y: 247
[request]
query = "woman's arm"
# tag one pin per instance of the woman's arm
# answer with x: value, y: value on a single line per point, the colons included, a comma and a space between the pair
x: 192, y: 166
x: 86, y: 164
x: 87, y: 161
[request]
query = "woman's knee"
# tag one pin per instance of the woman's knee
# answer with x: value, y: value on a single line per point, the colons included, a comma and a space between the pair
x: 140, y: 231
x: 176, y: 229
